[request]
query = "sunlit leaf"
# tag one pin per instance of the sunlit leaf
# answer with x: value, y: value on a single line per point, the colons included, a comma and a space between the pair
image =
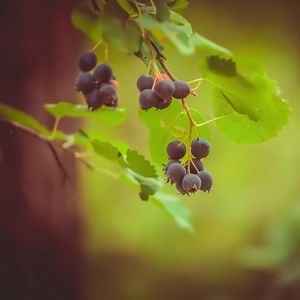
x: 139, y: 164
x: 105, y: 115
x: 210, y: 48
x: 242, y: 129
x: 84, y: 19
x: 176, y: 208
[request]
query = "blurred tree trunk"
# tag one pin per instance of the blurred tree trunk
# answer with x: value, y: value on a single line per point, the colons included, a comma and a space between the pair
x: 41, y: 254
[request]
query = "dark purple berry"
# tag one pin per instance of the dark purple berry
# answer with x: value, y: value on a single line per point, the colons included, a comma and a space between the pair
x: 107, y: 94
x: 196, y: 166
x: 180, y: 188
x: 200, y: 148
x: 206, y: 180
x: 147, y: 99
x: 162, y: 104
x: 113, y: 102
x: 93, y: 99
x: 169, y: 163
x: 145, y: 82
x: 85, y: 82
x: 191, y: 183
x: 164, y: 88
x: 182, y: 89
x: 103, y: 73
x: 176, y: 172
x: 87, y: 61
x: 176, y: 150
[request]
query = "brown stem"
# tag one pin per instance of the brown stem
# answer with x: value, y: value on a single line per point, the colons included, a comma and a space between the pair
x: 96, y: 6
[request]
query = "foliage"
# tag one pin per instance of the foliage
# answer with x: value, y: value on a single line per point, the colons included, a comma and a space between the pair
x: 247, y: 104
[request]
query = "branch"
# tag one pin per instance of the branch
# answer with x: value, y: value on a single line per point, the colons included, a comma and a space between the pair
x: 96, y: 6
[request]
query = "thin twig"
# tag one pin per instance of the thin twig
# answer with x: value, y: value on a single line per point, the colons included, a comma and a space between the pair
x: 58, y: 161
x: 96, y: 6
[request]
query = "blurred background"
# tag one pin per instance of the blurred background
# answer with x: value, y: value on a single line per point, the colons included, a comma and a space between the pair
x: 246, y: 243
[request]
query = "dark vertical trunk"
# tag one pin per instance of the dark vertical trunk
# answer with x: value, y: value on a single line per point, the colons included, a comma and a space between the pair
x: 40, y: 248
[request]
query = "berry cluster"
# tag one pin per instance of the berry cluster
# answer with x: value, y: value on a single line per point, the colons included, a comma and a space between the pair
x: 158, y: 92
x: 190, y: 176
x: 98, y: 88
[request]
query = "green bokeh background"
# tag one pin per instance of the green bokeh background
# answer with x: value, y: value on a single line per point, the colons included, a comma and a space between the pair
x: 246, y: 243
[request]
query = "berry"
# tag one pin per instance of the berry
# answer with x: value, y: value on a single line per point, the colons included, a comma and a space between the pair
x: 145, y: 82
x: 103, y: 73
x: 176, y: 150
x: 169, y: 163
x: 87, y: 61
x: 161, y: 76
x: 182, y: 89
x: 191, y: 183
x: 114, y: 83
x: 196, y: 162
x: 114, y: 102
x: 200, y: 148
x: 85, y: 82
x: 164, y: 88
x: 206, y: 180
x: 176, y: 172
x: 180, y: 189
x: 93, y: 99
x: 162, y: 104
x: 107, y: 94
x: 147, y: 99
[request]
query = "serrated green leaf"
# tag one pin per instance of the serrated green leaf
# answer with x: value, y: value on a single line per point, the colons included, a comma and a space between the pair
x: 242, y: 129
x: 147, y: 186
x: 104, y: 115
x: 222, y: 66
x: 253, y: 95
x: 175, y: 208
x: 166, y: 125
x: 162, y: 11
x: 106, y: 150
x: 139, y: 164
x: 84, y: 19
x: 203, y: 44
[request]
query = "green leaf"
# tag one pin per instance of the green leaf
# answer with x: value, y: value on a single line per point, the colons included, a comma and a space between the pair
x: 203, y: 44
x: 162, y: 11
x: 179, y: 35
x: 139, y: 164
x: 242, y: 129
x: 147, y: 186
x: 15, y: 115
x: 175, y: 208
x: 106, y: 150
x: 222, y: 66
x: 166, y: 125
x: 115, y: 151
x: 255, y: 98
x: 105, y: 115
x: 124, y: 36
x: 149, y: 189
x: 84, y: 19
